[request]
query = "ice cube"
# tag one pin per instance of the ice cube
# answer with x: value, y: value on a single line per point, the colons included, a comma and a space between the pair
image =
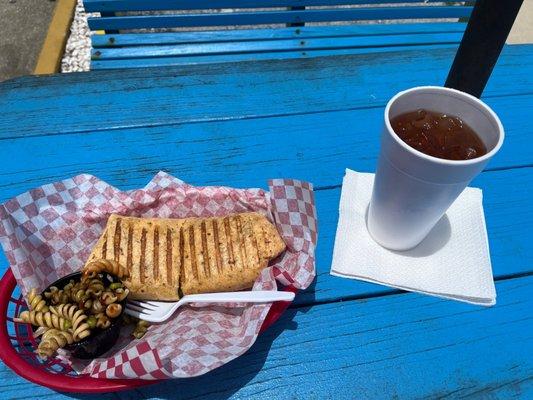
x: 470, y: 152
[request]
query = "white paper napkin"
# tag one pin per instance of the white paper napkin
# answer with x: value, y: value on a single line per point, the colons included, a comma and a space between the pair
x: 452, y: 262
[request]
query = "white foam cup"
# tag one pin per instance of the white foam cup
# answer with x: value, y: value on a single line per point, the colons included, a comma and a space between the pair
x: 413, y: 190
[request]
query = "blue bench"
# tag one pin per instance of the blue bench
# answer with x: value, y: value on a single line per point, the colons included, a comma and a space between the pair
x: 144, y: 33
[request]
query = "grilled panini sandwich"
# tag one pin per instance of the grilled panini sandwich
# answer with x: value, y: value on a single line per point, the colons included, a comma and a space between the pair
x: 226, y: 254
x: 193, y: 255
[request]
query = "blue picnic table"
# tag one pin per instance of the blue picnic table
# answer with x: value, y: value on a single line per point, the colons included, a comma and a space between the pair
x: 239, y: 124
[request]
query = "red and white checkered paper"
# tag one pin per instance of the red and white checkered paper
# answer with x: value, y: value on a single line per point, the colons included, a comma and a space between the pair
x: 49, y: 232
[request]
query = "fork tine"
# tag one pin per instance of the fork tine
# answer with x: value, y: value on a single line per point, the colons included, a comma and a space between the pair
x: 142, y: 304
x: 134, y: 307
x: 140, y: 315
x: 133, y: 313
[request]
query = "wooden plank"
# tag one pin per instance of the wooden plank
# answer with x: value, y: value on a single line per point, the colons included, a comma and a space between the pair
x: 276, y: 45
x: 134, y: 39
x: 247, y: 153
x: 403, y: 346
x: 101, y: 99
x: 159, y: 62
x: 316, y: 147
x: 154, y: 5
x: 406, y: 346
x: 276, y: 17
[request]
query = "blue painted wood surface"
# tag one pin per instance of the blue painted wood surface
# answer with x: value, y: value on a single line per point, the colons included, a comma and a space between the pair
x: 157, y: 62
x: 266, y: 46
x: 399, y: 346
x: 140, y: 49
x: 239, y: 124
x: 308, y: 154
x: 276, y: 17
x: 239, y: 35
x: 154, y: 5
x: 184, y: 48
x: 159, y: 97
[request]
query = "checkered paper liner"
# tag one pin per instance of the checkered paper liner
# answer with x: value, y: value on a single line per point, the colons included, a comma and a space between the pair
x: 49, y: 232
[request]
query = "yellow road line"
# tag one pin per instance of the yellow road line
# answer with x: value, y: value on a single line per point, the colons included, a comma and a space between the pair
x: 49, y: 59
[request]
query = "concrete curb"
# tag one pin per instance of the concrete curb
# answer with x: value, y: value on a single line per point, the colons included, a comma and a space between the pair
x: 51, y: 53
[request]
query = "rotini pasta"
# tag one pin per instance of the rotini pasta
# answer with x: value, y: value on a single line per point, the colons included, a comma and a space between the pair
x: 97, y: 307
x: 80, y: 328
x: 108, y: 297
x: 102, y: 321
x: 69, y: 314
x: 36, y: 302
x: 85, y: 306
x: 56, y: 296
x: 79, y: 295
x: 45, y: 319
x: 110, y: 266
x: 95, y: 287
x: 113, y: 310
x: 52, y: 340
x: 121, y: 294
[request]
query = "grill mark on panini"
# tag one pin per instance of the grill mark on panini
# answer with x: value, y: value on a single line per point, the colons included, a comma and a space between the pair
x: 205, y: 251
x: 129, y: 253
x: 168, y: 261
x: 266, y: 242
x: 143, y: 256
x: 104, y: 247
x: 194, y: 267
x: 116, y: 240
x: 241, y: 240
x: 255, y: 243
x: 218, y: 257
x: 227, y: 230
x: 182, y: 256
x: 156, y: 253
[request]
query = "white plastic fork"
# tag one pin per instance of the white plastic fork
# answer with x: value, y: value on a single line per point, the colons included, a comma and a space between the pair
x: 159, y: 311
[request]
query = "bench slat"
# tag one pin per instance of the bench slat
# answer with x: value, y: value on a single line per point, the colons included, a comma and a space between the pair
x: 276, y: 17
x: 135, y: 39
x: 229, y: 58
x: 154, y: 5
x: 276, y: 45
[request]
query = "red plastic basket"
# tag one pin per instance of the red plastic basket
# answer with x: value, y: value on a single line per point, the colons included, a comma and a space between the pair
x: 17, y: 351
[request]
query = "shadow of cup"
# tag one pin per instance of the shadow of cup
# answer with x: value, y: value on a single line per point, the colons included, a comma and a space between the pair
x: 437, y: 238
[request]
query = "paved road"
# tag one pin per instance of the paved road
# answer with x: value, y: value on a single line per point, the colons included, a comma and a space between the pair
x: 522, y: 31
x: 23, y: 27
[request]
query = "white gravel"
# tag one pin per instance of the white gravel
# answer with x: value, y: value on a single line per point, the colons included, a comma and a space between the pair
x: 77, y: 55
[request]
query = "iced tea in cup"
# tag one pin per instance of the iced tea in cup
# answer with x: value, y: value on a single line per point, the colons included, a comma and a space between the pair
x: 424, y: 166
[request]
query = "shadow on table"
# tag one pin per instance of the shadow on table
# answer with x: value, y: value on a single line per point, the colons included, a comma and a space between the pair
x: 223, y: 382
